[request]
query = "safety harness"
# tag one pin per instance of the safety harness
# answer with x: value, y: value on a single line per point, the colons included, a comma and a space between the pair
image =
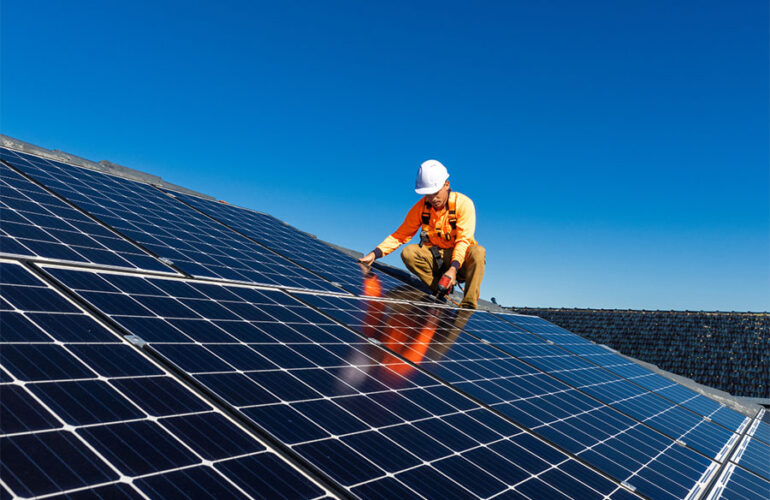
x: 427, y: 230
x: 452, y: 202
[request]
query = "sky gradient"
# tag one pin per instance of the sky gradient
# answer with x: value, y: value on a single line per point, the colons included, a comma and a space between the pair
x: 617, y: 155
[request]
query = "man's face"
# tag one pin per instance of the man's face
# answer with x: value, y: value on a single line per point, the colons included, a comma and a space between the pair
x: 438, y: 200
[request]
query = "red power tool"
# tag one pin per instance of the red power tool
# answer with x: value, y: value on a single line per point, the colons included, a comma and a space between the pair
x: 444, y: 286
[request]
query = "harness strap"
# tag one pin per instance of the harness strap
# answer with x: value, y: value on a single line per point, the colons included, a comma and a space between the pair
x: 453, y: 210
x: 437, y: 257
x: 452, y: 207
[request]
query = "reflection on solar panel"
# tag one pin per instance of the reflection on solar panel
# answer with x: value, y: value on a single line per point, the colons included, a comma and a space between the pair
x: 81, y: 408
x: 620, y: 366
x: 370, y: 421
x: 193, y: 242
x: 629, y: 446
x: 297, y: 246
x: 225, y: 389
x: 35, y: 223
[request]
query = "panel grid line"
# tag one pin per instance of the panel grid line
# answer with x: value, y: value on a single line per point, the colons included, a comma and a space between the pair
x: 85, y: 423
x: 717, y: 407
x: 304, y: 401
x: 334, y: 307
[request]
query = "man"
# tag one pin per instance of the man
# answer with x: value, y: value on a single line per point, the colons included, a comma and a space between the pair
x: 448, y: 220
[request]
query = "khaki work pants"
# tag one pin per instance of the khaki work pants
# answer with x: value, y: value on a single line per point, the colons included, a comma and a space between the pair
x: 419, y: 260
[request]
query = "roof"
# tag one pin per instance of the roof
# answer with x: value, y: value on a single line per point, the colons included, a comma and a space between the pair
x: 154, y: 339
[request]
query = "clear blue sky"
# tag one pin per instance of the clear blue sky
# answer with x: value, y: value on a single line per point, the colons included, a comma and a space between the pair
x: 617, y: 152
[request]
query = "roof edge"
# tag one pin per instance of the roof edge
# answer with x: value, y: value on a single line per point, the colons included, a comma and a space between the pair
x: 103, y: 166
x: 639, y: 311
x: 744, y: 405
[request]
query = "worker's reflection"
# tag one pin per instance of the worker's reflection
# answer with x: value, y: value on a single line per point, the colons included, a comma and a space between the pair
x: 412, y: 332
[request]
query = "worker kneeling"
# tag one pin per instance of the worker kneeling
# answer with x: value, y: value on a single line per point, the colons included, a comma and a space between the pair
x: 447, y: 248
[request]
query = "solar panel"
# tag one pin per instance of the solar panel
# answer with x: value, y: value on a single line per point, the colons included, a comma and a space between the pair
x: 36, y: 223
x: 173, y: 231
x: 746, y: 476
x: 656, y: 465
x: 375, y: 424
x: 631, y: 371
x: 755, y: 456
x: 762, y: 432
x: 236, y: 390
x: 753, y: 453
x: 740, y: 484
x: 301, y: 248
x: 82, y: 412
x: 632, y: 399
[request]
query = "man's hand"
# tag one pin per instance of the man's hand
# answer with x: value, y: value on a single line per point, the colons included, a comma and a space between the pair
x: 367, y: 259
x: 452, y: 273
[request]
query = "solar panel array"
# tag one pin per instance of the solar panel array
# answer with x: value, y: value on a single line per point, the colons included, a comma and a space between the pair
x: 156, y: 344
x: 82, y: 409
x: 38, y: 224
x: 194, y: 243
x: 293, y: 244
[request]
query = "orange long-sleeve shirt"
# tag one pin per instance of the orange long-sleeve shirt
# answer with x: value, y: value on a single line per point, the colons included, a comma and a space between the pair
x: 461, y: 238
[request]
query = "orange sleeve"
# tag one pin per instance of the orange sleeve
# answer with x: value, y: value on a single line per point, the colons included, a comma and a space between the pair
x: 466, y: 226
x: 406, y: 231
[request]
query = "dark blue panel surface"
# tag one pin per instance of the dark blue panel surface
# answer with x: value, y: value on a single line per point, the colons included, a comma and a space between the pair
x: 622, y: 367
x: 740, y: 484
x: 323, y: 390
x: 193, y: 242
x: 536, y: 396
x: 303, y: 249
x: 85, y: 402
x: 754, y: 455
x: 30, y: 362
x: 264, y: 476
x: 196, y: 482
x: 115, y: 491
x: 107, y: 392
x: 35, y: 223
x: 67, y: 463
x: 21, y: 413
x: 138, y: 448
x: 212, y: 436
x: 763, y: 429
x: 17, y: 328
x: 159, y: 396
x: 601, y: 382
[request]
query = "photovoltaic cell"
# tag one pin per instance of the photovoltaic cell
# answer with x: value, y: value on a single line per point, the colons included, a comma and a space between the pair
x: 762, y: 432
x: 81, y: 410
x: 373, y: 423
x: 634, y: 400
x: 617, y: 364
x: 301, y: 248
x: 172, y: 230
x: 755, y: 456
x: 34, y: 223
x: 740, y: 484
x: 624, y: 448
x: 753, y: 453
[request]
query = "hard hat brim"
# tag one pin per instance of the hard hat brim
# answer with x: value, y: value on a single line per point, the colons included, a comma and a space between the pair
x: 428, y: 190
x: 432, y: 189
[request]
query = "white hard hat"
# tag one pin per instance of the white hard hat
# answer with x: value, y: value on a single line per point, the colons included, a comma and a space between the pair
x: 431, y: 177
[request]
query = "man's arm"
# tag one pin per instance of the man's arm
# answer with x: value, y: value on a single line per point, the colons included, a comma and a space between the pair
x: 403, y: 234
